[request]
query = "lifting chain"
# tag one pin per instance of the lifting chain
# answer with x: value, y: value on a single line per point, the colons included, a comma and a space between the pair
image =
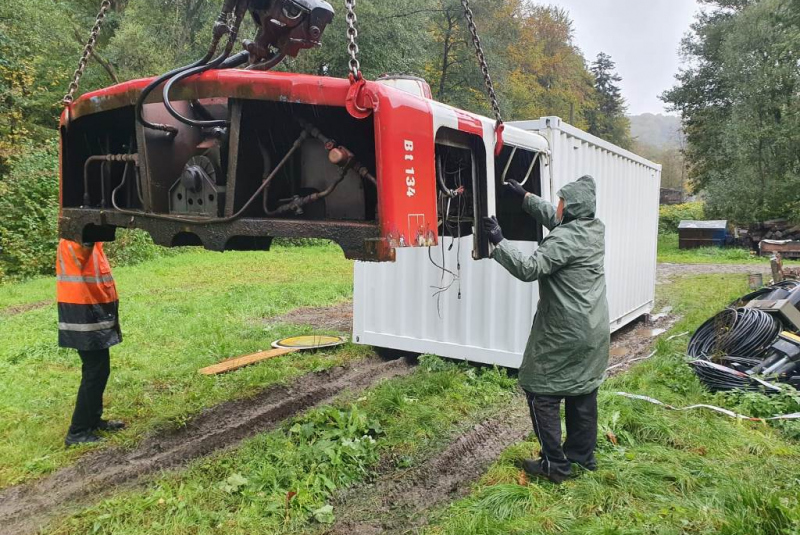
x: 482, y: 60
x: 352, y: 35
x: 87, y: 51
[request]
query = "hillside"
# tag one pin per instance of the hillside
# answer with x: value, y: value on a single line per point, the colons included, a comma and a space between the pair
x: 658, y: 131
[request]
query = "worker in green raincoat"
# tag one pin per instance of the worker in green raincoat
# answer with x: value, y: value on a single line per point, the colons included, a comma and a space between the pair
x: 567, y: 351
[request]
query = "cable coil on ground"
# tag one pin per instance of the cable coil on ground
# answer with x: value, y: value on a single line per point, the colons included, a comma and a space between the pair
x: 726, y: 346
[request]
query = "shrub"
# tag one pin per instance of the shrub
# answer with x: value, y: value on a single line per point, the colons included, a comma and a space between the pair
x: 29, y: 208
x: 29, y: 219
x: 132, y: 246
x: 670, y: 216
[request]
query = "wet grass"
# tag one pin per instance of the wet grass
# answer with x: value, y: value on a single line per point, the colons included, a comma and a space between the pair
x: 178, y: 315
x: 668, y: 251
x: 668, y: 473
x: 282, y: 481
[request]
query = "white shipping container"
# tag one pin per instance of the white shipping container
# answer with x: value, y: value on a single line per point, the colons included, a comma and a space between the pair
x: 485, y: 315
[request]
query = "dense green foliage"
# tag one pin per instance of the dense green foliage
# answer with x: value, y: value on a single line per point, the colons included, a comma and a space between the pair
x: 29, y: 208
x: 670, y: 216
x: 741, y: 107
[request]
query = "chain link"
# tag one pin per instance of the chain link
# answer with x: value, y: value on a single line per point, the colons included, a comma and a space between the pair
x: 482, y: 60
x: 87, y: 51
x: 352, y: 35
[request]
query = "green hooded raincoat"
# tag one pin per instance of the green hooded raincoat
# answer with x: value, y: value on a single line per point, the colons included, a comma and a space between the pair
x: 567, y: 350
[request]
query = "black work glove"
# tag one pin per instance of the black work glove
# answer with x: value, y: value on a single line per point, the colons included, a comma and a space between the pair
x: 516, y: 187
x: 492, y: 229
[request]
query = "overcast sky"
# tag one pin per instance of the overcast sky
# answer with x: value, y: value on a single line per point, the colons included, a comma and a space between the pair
x: 642, y: 36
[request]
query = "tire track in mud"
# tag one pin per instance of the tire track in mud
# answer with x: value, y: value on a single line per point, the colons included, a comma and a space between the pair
x: 398, y: 502
x: 26, y: 508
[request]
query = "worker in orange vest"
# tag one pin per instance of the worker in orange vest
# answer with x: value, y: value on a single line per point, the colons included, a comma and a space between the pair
x: 88, y: 320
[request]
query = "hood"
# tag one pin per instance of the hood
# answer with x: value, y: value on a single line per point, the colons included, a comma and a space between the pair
x: 579, y: 199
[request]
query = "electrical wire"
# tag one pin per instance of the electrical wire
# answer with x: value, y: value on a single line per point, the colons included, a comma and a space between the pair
x: 444, y: 208
x: 742, y: 332
x: 730, y: 344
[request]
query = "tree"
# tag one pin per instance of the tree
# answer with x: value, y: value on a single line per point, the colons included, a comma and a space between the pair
x: 740, y: 102
x: 607, y: 120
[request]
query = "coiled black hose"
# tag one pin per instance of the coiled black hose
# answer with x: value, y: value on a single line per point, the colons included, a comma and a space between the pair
x: 729, y: 344
x: 741, y: 332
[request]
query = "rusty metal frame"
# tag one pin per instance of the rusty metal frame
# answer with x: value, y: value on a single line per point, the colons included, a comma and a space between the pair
x: 357, y: 240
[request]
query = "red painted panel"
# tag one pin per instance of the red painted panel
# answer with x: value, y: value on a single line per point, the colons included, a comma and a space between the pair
x: 404, y: 136
x: 469, y: 123
x: 406, y: 170
x: 278, y: 86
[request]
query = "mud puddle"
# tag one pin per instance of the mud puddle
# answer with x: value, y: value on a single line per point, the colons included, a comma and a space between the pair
x: 399, y: 502
x: 338, y: 318
x: 635, y: 341
x: 26, y: 508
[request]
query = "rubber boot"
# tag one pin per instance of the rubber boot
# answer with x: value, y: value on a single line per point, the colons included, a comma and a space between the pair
x: 81, y: 437
x: 534, y: 468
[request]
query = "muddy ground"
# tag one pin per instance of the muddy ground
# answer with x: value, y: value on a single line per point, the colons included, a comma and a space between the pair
x: 400, y: 501
x: 334, y: 318
x: 635, y: 341
x: 25, y: 508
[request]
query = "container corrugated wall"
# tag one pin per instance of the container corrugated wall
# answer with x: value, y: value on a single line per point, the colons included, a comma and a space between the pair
x: 628, y: 190
x: 486, y: 315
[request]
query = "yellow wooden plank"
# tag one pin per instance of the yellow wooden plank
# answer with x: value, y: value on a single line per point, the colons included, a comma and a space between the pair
x: 238, y: 362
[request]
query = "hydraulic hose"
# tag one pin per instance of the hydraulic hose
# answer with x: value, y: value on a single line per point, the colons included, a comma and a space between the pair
x: 160, y: 80
x: 236, y: 60
x: 241, y: 9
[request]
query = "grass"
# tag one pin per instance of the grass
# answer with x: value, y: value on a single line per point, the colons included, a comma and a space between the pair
x: 668, y: 251
x: 280, y: 482
x: 178, y: 314
x: 669, y: 473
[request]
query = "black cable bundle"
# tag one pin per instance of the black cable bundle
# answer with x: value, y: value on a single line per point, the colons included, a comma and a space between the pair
x: 733, y: 341
x: 741, y: 333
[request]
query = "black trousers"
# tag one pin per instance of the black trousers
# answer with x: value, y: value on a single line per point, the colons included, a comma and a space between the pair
x: 581, y: 418
x: 94, y: 375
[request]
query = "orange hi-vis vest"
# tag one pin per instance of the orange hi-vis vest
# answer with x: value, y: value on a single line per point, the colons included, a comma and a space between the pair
x: 87, y: 298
